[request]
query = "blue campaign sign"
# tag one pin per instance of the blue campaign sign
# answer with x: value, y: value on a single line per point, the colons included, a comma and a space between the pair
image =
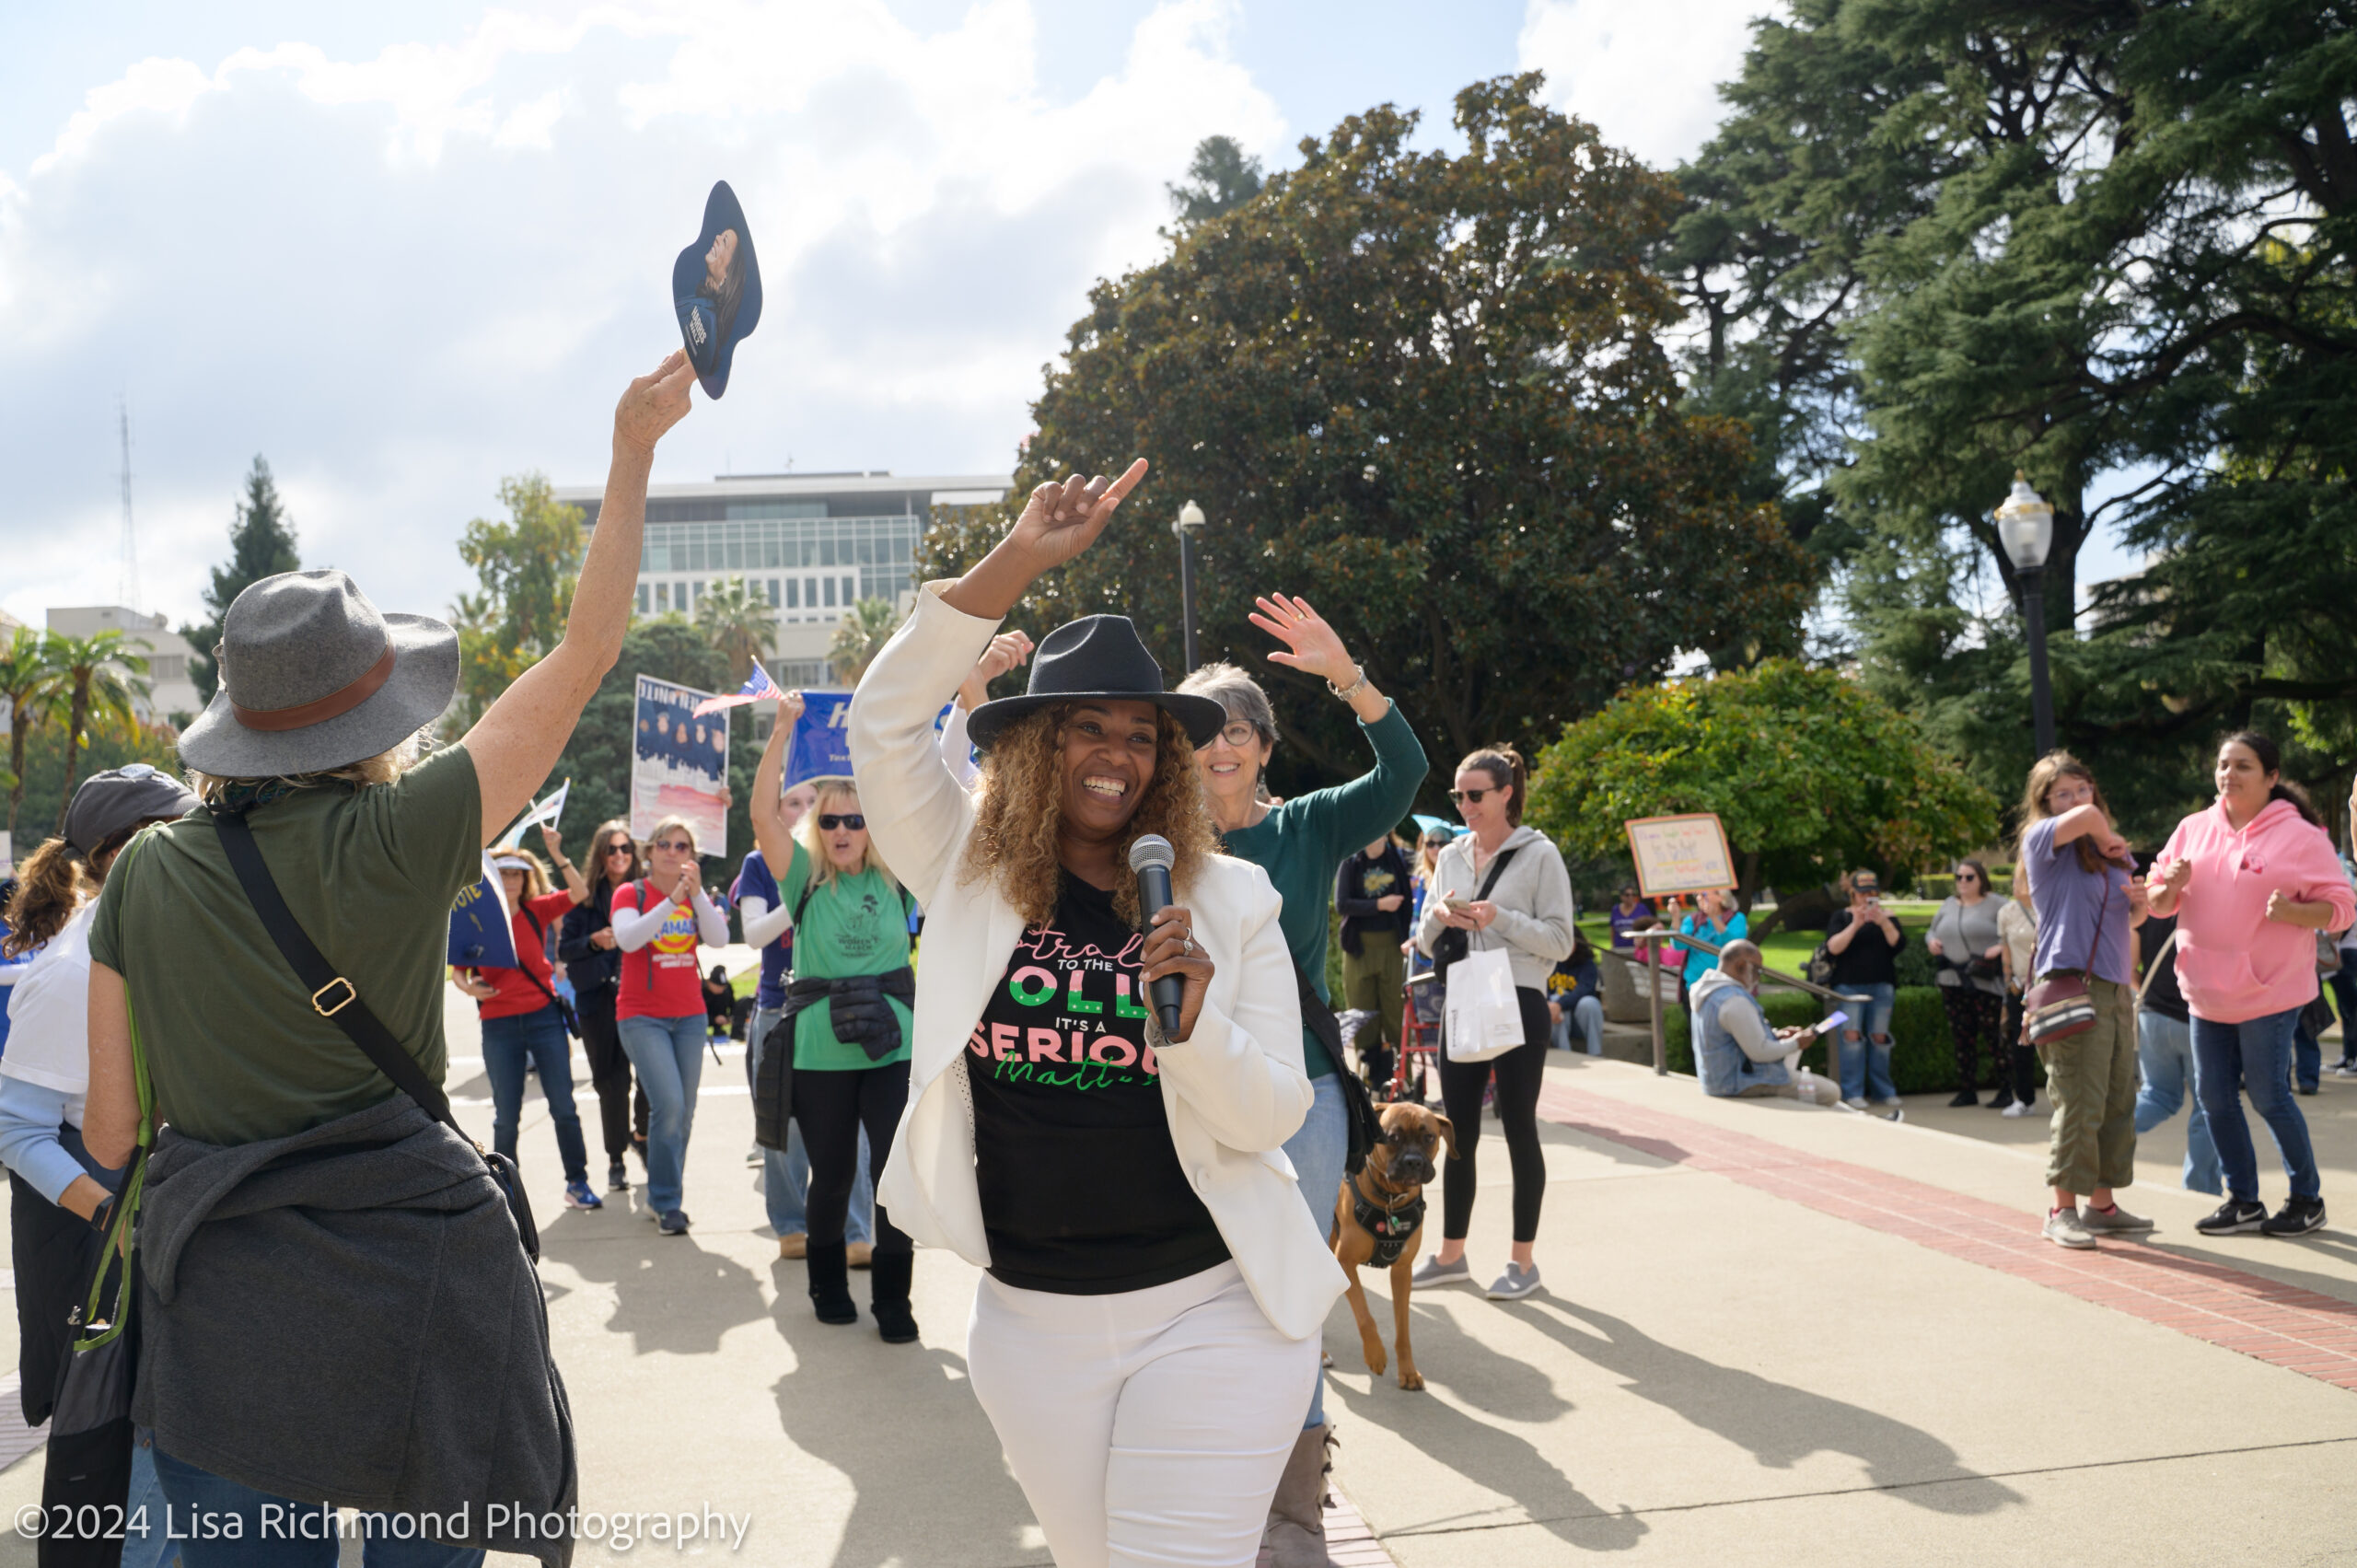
x: 821, y: 743
x: 481, y: 934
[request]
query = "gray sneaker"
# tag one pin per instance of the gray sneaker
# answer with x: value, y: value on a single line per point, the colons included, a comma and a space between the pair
x: 2120, y: 1222
x: 2063, y: 1229
x: 1433, y: 1271
x: 1515, y: 1282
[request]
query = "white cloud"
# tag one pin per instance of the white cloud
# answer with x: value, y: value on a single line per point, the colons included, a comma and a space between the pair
x: 403, y: 274
x: 1643, y: 74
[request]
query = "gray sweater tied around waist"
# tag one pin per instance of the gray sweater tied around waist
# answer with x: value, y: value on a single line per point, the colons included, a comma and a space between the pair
x: 347, y: 1315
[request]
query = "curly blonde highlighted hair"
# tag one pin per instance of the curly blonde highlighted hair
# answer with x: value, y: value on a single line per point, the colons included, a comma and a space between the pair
x: 1013, y: 842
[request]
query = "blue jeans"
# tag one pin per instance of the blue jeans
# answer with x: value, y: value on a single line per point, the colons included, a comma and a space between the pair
x: 785, y: 1173
x: 668, y: 1055
x: 2307, y: 1055
x: 2165, y: 1050
x: 533, y: 1041
x: 1588, y: 1014
x: 2258, y: 1052
x: 1865, y: 1041
x: 155, y: 1549
x: 1318, y: 1150
x: 274, y: 1540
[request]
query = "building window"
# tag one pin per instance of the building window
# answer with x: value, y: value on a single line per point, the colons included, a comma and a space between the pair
x: 774, y: 600
x: 794, y: 593
x: 831, y: 592
x: 645, y: 599
x: 850, y: 583
x: 663, y: 599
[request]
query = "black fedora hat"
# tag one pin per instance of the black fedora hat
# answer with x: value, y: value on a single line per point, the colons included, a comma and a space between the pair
x: 1100, y: 658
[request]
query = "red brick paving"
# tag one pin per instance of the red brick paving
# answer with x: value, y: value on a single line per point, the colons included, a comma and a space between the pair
x: 1348, y: 1542
x: 2283, y: 1325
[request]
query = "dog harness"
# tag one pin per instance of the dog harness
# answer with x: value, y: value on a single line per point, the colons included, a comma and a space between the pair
x: 1390, y: 1227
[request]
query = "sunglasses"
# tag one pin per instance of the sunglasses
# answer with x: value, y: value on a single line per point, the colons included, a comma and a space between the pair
x: 613, y: 849
x: 1967, y: 876
x: 1471, y: 796
x: 678, y: 847
x: 828, y: 822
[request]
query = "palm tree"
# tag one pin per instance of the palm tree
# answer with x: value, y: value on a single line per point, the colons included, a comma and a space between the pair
x: 738, y: 621
x: 101, y: 676
x: 33, y: 688
x: 860, y: 637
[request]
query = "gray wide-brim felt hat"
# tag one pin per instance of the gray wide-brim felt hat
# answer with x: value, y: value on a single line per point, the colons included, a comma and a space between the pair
x: 314, y: 678
x: 1100, y: 658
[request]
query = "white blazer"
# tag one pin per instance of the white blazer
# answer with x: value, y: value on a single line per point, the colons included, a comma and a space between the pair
x: 1234, y: 1092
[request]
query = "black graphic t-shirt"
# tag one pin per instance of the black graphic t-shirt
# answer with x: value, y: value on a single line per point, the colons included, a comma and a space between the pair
x: 1082, y: 1191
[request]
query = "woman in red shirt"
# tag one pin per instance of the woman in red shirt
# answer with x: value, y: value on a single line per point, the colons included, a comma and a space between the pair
x: 523, y: 1027
x: 658, y: 922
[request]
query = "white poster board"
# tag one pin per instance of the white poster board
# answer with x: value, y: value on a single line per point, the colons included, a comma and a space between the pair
x: 679, y: 765
x: 1680, y: 854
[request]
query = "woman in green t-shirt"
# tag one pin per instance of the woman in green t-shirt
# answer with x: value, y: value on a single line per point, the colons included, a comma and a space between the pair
x: 847, y: 1001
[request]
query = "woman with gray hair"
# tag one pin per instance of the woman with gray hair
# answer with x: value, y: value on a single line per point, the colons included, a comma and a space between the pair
x: 423, y: 1383
x: 1301, y: 844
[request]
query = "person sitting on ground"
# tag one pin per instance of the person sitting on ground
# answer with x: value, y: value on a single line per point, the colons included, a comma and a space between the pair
x: 719, y: 1001
x: 1737, y: 1053
x: 1576, y: 997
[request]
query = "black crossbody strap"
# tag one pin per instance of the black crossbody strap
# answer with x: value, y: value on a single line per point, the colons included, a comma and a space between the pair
x: 332, y: 996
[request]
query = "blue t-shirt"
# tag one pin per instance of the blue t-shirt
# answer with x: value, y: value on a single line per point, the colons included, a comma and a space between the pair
x: 753, y: 880
x: 2069, y: 898
x: 1698, y: 963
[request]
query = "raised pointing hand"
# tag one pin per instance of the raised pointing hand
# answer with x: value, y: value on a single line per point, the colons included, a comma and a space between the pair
x: 1064, y: 518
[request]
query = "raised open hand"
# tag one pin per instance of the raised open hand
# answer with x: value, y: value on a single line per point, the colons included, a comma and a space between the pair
x: 655, y: 402
x: 1311, y: 645
x: 1064, y: 518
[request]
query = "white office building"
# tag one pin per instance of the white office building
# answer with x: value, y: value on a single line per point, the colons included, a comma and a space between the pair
x: 169, y: 689
x: 812, y: 544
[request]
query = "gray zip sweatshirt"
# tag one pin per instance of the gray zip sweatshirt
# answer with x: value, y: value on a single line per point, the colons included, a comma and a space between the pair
x: 1533, y: 896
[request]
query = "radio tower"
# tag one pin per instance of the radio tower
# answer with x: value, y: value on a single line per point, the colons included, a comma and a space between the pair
x: 127, y: 585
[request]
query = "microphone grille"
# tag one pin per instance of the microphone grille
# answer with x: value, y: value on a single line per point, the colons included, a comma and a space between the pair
x: 1152, y: 849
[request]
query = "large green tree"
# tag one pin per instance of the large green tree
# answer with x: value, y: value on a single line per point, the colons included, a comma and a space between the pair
x: 1809, y: 773
x: 261, y: 544
x: 1427, y: 392
x: 33, y: 687
x: 525, y: 570
x: 2110, y: 245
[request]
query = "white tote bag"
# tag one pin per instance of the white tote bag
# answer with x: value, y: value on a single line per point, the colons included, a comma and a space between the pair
x: 1483, y: 1019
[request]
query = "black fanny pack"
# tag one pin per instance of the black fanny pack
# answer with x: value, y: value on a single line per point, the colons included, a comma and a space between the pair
x: 338, y: 1000
x: 1452, y: 944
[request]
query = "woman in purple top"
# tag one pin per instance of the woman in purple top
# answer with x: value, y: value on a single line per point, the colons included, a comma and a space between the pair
x: 2088, y: 900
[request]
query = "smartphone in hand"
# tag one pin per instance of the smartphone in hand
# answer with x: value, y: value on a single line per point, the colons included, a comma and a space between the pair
x: 1832, y: 1022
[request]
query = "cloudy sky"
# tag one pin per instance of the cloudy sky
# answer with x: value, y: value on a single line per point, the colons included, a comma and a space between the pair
x: 403, y: 258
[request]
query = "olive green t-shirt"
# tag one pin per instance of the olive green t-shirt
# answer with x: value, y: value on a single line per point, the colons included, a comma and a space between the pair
x: 237, y: 1053
x: 853, y: 926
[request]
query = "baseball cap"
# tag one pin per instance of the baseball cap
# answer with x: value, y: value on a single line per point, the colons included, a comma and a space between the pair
x: 105, y: 803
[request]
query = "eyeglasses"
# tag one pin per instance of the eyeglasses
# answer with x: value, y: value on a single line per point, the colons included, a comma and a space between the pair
x: 615, y: 849
x: 1967, y: 876
x: 828, y: 822
x: 1471, y: 796
x: 678, y: 847
x: 1240, y: 734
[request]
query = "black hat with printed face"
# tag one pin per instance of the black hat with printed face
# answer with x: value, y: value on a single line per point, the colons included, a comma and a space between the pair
x: 1095, y: 658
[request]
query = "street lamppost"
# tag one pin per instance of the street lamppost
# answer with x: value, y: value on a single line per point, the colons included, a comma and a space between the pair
x: 2025, y: 526
x: 1189, y: 516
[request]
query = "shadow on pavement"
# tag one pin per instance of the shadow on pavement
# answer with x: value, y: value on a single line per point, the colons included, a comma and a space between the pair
x: 1781, y: 1425
x: 923, y: 1462
x: 669, y: 1293
x: 1491, y: 1456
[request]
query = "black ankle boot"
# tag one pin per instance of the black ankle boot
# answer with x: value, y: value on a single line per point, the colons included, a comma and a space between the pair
x: 1966, y: 1096
x: 888, y: 1299
x: 831, y: 1283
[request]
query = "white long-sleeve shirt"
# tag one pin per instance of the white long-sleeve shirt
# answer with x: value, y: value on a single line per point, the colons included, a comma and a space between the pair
x: 634, y: 930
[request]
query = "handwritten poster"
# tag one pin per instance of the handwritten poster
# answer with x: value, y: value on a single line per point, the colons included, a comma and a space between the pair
x: 1680, y: 854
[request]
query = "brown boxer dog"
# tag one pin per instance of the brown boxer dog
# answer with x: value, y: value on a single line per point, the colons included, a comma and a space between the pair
x: 1378, y: 1215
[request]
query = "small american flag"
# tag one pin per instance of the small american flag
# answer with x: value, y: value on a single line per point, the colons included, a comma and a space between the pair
x: 757, y: 687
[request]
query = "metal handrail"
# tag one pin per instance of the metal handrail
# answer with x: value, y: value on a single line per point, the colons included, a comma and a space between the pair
x: 1653, y: 941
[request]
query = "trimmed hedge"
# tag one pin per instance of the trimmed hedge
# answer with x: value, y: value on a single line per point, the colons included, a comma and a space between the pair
x: 1922, y: 1056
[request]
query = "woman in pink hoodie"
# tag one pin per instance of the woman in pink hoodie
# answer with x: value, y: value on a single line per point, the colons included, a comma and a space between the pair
x: 2251, y: 880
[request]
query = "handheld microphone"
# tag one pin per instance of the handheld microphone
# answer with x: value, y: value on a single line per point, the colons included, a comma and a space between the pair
x: 1152, y: 857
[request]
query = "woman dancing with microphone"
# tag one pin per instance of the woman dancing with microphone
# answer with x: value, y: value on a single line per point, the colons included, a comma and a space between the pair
x: 1145, y: 1337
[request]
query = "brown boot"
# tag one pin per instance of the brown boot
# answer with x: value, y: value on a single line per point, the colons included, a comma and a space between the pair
x: 1296, y: 1534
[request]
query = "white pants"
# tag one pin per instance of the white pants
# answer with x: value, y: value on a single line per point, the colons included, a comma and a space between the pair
x: 1146, y: 1427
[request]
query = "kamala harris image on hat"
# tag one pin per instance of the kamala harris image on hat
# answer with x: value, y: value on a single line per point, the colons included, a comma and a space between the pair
x: 716, y: 289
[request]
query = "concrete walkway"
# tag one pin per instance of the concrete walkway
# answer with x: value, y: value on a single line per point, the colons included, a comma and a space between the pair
x: 1769, y: 1333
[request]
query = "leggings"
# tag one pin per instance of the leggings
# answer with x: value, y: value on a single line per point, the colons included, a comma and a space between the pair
x: 1145, y: 1427
x: 1972, y: 1023
x: 832, y: 1107
x: 601, y: 1041
x: 1519, y: 1073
